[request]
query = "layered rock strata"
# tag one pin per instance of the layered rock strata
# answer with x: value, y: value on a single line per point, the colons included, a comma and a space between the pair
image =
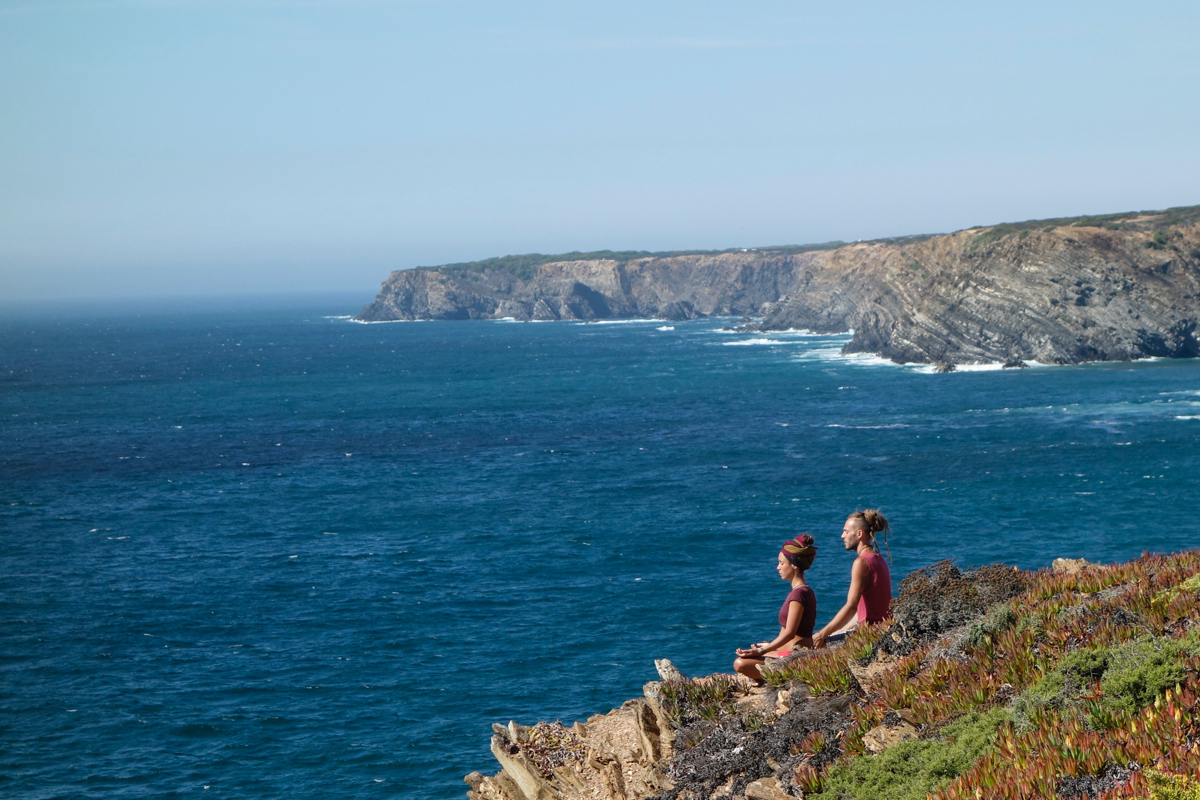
x: 1120, y: 287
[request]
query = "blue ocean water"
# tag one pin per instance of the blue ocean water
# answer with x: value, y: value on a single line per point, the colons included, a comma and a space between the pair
x: 256, y: 553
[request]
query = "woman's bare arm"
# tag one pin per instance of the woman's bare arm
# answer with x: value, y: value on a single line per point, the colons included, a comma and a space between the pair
x: 795, y: 614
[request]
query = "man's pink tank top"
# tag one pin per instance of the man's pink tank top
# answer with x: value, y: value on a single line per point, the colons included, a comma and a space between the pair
x: 875, y: 604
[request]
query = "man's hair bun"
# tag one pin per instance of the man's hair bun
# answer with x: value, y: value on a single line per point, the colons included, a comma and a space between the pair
x: 873, y: 522
x: 876, y: 522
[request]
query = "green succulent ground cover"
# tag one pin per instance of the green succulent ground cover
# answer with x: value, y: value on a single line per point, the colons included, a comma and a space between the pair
x: 1099, y: 682
x: 1101, y: 679
x: 1105, y: 680
x: 687, y: 701
x: 910, y: 770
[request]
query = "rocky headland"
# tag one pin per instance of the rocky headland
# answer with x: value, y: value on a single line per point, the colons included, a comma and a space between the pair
x: 1059, y: 291
x: 1077, y: 682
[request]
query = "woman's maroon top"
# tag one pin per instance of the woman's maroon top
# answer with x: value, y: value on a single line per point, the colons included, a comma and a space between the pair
x: 808, y: 598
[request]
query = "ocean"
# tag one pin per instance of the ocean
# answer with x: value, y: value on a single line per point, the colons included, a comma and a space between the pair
x: 271, y: 552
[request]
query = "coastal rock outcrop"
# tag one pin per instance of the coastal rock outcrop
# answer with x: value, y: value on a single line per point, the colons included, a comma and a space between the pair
x: 1116, y: 287
x: 613, y: 756
x: 990, y: 683
x: 674, y: 288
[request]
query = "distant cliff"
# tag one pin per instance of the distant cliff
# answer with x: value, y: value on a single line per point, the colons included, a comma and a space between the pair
x: 1112, y: 287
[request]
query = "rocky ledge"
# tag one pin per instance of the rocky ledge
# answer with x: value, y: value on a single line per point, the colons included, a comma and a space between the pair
x: 1077, y: 682
x: 1112, y: 287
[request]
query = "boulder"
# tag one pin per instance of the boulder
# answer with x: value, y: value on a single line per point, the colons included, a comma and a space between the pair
x: 881, y: 737
x: 868, y: 676
x: 668, y: 671
x: 1072, y: 566
x: 767, y: 789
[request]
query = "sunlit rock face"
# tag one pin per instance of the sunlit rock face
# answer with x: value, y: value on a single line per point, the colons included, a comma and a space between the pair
x: 1100, y: 289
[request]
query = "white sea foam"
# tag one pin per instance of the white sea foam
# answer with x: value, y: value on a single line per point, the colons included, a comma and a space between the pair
x: 1131, y: 363
x: 798, y: 333
x: 339, y: 316
x: 504, y: 319
x: 835, y: 354
x: 869, y: 427
x: 665, y: 328
x: 791, y: 333
x: 1187, y: 416
x: 860, y: 359
x: 989, y: 367
x: 754, y: 341
x: 617, y: 321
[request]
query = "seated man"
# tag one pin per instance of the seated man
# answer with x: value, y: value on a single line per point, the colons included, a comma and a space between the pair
x: 870, y: 592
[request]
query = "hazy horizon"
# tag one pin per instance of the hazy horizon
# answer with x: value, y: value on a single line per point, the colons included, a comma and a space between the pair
x: 202, y: 149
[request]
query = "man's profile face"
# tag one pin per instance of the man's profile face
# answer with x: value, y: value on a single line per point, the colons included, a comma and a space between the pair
x: 851, y: 535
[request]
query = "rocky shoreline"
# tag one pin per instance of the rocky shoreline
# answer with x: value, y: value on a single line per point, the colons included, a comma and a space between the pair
x: 1107, y: 288
x: 1076, y: 682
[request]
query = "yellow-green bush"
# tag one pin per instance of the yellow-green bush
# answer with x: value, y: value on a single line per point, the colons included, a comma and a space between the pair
x: 1172, y: 787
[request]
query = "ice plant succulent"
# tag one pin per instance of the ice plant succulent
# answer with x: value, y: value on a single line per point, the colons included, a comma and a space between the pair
x: 1096, y: 719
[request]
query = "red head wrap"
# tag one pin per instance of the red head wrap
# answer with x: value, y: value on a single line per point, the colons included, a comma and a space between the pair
x: 801, y: 549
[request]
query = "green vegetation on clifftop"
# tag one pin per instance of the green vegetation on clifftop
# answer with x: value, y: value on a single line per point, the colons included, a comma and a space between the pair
x: 910, y: 770
x: 525, y: 266
x: 1080, y: 684
x: 1133, y: 220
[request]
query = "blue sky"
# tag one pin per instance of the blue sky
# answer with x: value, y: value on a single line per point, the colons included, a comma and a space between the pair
x: 193, y: 147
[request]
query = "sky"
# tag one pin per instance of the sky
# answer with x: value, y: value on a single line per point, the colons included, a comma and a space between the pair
x: 212, y: 147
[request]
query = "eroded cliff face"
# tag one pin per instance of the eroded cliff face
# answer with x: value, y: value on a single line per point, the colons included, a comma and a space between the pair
x: 1053, y: 294
x: 1056, y: 296
x: 682, y: 287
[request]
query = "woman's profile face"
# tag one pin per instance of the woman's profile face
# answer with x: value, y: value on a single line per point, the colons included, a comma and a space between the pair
x: 785, y: 568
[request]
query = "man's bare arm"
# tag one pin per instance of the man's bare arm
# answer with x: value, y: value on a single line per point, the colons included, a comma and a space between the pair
x: 858, y: 582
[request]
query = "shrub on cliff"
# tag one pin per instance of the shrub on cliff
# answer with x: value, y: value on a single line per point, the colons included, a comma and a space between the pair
x: 997, y: 620
x: 941, y: 597
x: 1139, y: 672
x: 1158, y: 241
x: 1172, y: 787
x: 910, y: 770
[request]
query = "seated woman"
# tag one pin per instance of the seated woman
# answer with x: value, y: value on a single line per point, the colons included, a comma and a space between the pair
x: 796, y: 617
